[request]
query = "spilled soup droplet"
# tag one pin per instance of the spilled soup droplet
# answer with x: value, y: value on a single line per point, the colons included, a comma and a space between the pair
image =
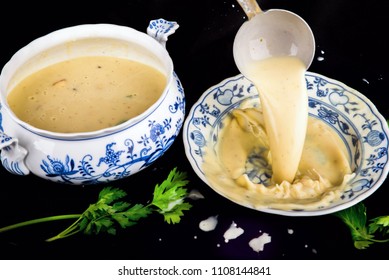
x: 208, y: 224
x: 195, y: 195
x: 232, y: 232
x: 258, y: 243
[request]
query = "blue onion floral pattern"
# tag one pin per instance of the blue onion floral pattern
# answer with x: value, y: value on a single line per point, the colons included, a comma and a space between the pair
x: 160, y: 29
x: 11, y: 154
x: 116, y: 163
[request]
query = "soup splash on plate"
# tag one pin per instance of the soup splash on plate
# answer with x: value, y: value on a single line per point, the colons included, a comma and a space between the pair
x: 304, y: 158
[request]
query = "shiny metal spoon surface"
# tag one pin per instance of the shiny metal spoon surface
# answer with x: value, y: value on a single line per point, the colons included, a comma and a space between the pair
x: 270, y: 33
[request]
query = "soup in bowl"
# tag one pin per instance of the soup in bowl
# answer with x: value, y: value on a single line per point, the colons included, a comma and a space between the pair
x: 90, y: 103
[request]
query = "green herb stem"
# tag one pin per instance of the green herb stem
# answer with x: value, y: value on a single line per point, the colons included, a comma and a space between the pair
x: 378, y: 240
x: 72, y: 229
x: 40, y: 220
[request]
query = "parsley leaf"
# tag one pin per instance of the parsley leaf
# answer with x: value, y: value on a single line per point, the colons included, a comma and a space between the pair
x: 380, y: 224
x: 110, y: 211
x: 174, y: 215
x: 169, y: 196
x: 362, y: 233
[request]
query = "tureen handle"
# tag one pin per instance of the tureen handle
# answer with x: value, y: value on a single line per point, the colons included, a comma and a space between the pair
x: 12, y: 155
x: 160, y: 29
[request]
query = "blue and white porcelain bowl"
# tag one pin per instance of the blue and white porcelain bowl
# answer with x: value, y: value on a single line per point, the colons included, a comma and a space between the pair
x: 104, y: 155
x: 356, y: 120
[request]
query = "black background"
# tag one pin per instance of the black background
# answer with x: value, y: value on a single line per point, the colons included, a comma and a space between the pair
x: 350, y: 35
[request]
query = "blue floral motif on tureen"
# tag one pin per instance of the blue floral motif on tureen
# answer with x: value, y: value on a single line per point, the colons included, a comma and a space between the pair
x: 116, y: 162
x: 160, y: 29
x: 10, y: 165
x: 4, y: 138
x: 179, y: 104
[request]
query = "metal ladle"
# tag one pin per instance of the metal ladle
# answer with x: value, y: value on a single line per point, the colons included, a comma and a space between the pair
x: 270, y: 33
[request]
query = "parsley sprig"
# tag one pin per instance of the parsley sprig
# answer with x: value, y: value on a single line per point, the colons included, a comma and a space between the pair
x: 364, y: 232
x: 110, y: 210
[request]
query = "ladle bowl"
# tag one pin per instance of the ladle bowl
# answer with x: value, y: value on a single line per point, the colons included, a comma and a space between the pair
x: 270, y: 33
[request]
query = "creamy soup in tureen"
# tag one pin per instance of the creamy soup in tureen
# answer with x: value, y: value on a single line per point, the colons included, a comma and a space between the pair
x: 305, y: 163
x: 86, y: 94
